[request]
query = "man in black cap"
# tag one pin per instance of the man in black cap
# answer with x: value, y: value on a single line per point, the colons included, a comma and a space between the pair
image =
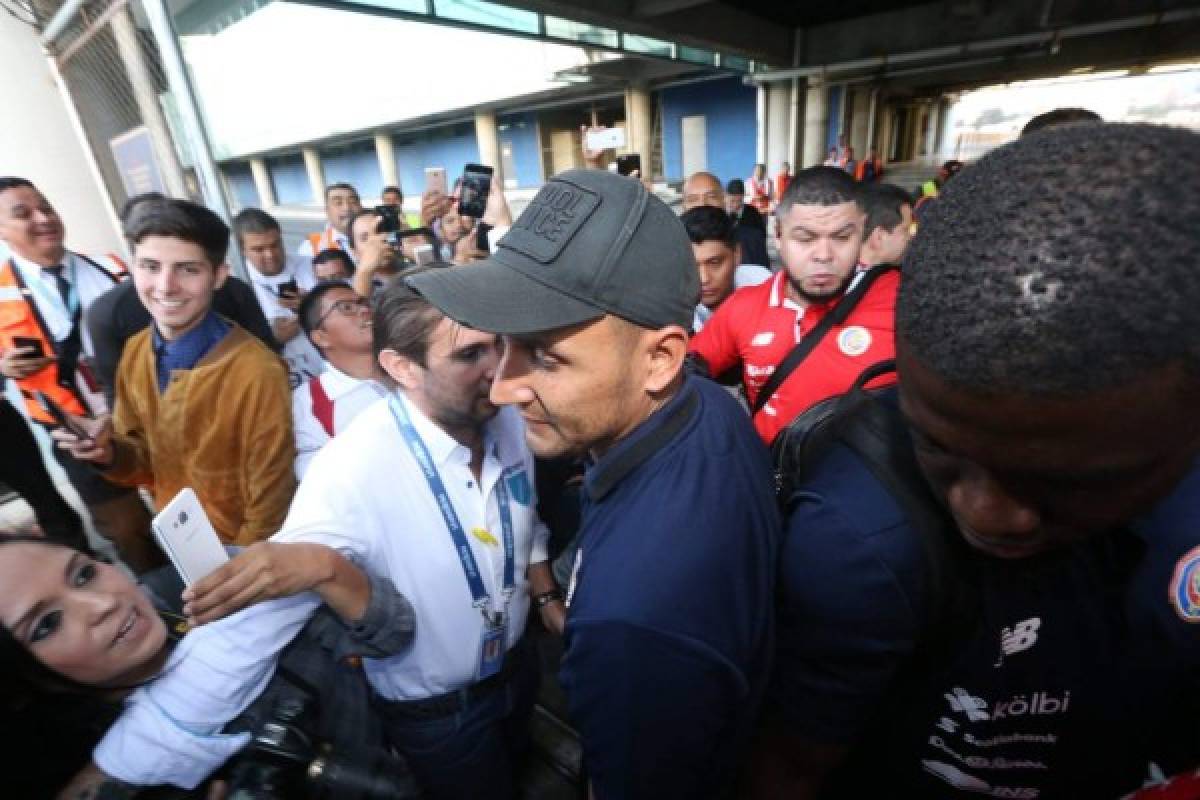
x: 749, y: 225
x: 669, y: 608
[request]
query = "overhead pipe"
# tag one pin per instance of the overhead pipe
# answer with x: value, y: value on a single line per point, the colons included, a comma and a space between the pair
x: 1048, y: 37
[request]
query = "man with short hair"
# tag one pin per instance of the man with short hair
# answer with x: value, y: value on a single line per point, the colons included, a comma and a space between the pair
x: 670, y: 602
x: 279, y: 282
x: 341, y: 203
x: 45, y: 290
x: 333, y: 265
x: 392, y: 196
x: 1026, y: 625
x: 888, y: 225
x: 749, y: 223
x: 376, y: 258
x: 703, y: 189
x: 433, y: 488
x: 718, y: 256
x: 337, y: 321
x: 821, y: 224
x: 200, y: 402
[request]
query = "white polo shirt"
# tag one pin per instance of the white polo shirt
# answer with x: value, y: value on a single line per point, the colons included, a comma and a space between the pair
x: 348, y: 396
x: 305, y: 250
x: 365, y: 496
x: 303, y: 359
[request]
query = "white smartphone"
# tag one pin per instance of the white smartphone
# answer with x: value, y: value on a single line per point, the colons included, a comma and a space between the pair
x: 187, y: 537
x: 606, y: 139
x: 435, y: 179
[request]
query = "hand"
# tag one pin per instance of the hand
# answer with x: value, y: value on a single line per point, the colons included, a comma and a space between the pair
x: 375, y: 252
x: 285, y: 329
x: 263, y: 571
x: 87, y: 784
x: 19, y: 362
x: 290, y: 301
x: 554, y: 616
x: 497, y: 213
x: 97, y: 447
x: 434, y: 206
x: 593, y: 158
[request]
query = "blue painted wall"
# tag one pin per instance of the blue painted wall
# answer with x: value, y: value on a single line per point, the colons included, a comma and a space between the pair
x: 357, y: 164
x: 729, y: 108
x: 290, y: 181
x: 241, y: 183
x: 521, y: 132
x: 451, y: 148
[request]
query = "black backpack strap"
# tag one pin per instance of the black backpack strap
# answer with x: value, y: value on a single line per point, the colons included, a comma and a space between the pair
x: 836, y: 316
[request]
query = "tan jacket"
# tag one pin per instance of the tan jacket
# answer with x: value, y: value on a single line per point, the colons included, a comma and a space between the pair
x: 224, y: 428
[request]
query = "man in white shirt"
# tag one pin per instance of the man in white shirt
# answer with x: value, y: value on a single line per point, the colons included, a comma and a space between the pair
x: 434, y: 489
x: 279, y: 282
x: 341, y: 203
x: 337, y: 321
x: 45, y: 290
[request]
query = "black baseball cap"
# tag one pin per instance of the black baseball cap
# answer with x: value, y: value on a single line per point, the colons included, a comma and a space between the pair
x: 590, y: 243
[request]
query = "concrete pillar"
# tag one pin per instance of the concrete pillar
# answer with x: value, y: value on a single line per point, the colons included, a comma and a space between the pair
x: 944, y: 146
x: 387, y: 160
x: 883, y: 141
x: 145, y: 94
x: 778, y: 125
x: 860, y: 115
x: 816, y: 119
x: 262, y: 182
x: 931, y: 129
x: 487, y: 136
x: 872, y: 119
x: 795, y: 98
x: 639, y: 125
x: 316, y: 174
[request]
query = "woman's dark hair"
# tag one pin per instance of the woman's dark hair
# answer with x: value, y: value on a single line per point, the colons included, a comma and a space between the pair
x: 22, y: 675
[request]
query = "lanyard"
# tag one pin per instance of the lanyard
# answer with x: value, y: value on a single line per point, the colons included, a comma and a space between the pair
x: 453, y: 525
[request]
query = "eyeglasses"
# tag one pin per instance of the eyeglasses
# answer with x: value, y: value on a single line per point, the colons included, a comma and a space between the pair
x: 348, y: 308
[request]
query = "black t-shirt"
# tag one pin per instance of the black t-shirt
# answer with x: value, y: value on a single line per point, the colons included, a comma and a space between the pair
x: 1076, y: 669
x: 118, y: 314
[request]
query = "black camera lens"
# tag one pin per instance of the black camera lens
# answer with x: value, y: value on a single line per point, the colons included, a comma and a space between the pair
x: 183, y: 518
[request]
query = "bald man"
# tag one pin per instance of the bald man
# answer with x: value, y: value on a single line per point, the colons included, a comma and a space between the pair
x: 704, y: 189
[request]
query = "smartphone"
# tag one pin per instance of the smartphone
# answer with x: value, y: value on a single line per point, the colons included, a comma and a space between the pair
x: 423, y: 254
x: 30, y: 343
x: 627, y: 165
x: 475, y: 187
x: 435, y: 180
x: 605, y: 139
x: 288, y: 287
x: 60, y: 416
x: 187, y: 537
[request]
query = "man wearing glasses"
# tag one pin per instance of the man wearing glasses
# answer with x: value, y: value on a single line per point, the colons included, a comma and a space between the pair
x: 338, y: 322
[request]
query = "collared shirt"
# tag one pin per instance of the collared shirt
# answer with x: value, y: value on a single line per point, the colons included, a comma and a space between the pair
x: 669, y: 625
x: 365, y: 496
x: 87, y: 283
x: 759, y: 325
x: 303, y: 359
x: 744, y: 275
x: 186, y: 351
x: 348, y: 395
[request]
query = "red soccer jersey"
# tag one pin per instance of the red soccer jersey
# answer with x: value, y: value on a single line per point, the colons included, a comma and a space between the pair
x: 757, y: 326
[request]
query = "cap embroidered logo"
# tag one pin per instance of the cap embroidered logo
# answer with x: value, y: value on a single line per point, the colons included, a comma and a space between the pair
x: 546, y: 226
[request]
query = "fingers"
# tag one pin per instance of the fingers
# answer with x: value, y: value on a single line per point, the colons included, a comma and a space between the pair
x: 230, y: 588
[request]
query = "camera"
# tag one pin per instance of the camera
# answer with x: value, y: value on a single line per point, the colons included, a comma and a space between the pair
x: 283, y: 761
x: 389, y: 223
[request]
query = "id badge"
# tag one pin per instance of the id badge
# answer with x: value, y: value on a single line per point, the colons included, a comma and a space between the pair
x: 491, y: 650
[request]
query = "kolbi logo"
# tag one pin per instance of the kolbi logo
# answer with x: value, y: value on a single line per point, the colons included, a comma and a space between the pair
x: 1039, y: 704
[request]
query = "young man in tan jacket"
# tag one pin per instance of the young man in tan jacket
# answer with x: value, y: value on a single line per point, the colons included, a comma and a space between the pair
x: 200, y: 402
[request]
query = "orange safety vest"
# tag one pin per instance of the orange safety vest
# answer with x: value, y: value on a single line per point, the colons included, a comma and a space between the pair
x: 324, y: 240
x: 19, y: 316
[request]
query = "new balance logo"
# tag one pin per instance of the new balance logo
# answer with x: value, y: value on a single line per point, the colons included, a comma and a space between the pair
x: 1020, y: 637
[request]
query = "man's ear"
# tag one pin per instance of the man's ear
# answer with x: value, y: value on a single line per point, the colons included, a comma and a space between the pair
x: 401, y: 369
x: 319, y: 338
x: 737, y: 252
x: 665, y: 350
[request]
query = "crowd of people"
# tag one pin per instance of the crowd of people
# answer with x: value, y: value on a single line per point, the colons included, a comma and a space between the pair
x: 915, y: 514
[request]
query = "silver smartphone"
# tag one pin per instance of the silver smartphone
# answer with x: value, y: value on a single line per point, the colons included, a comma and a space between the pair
x: 188, y: 538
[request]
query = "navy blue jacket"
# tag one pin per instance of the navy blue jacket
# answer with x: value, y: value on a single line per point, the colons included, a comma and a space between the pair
x: 669, y: 625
